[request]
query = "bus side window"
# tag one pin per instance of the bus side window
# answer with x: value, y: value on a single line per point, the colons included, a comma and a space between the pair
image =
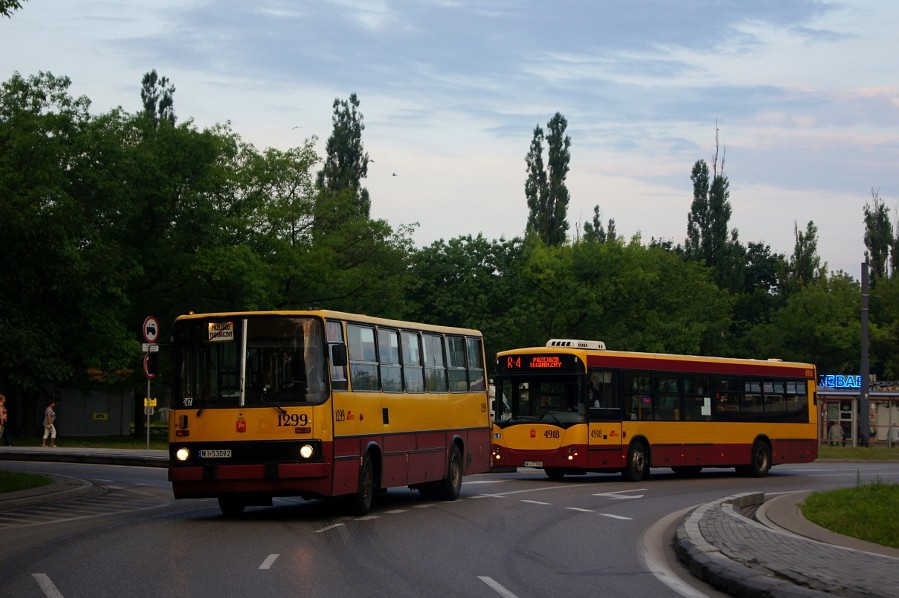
x: 475, y: 364
x: 638, y: 398
x: 338, y: 355
x: 602, y: 398
x: 413, y: 372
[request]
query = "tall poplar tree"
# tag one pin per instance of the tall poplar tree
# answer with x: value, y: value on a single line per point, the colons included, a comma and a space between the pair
x: 156, y: 94
x: 7, y: 7
x: 878, y: 237
x: 708, y: 239
x: 341, y: 195
x: 805, y: 266
x: 707, y: 222
x: 545, y: 188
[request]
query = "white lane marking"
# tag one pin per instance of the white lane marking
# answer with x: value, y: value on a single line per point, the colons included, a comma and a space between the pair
x: 579, y: 509
x: 397, y: 511
x: 48, y: 587
x: 473, y: 482
x: 621, y: 517
x: 324, y: 529
x: 269, y: 561
x: 368, y: 518
x: 535, y: 502
x: 653, y: 555
x: 619, y: 494
x: 497, y: 587
x: 541, y: 489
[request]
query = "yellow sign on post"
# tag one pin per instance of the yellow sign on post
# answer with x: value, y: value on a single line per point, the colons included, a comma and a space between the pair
x: 149, y: 402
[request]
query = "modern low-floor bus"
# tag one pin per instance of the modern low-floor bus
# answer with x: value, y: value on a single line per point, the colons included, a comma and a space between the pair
x: 573, y: 407
x: 323, y: 404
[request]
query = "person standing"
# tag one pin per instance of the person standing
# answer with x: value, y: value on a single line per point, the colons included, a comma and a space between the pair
x: 50, y: 424
x: 4, y: 421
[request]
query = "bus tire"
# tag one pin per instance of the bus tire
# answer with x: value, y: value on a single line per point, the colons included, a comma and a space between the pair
x: 451, y: 485
x: 231, y: 506
x: 554, y: 473
x: 760, y: 461
x: 637, y: 462
x: 360, y: 502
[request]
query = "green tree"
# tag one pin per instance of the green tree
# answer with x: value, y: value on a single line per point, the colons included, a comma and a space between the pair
x: 472, y: 282
x: 630, y: 296
x: 878, y: 237
x: 707, y: 222
x: 818, y: 324
x: 804, y: 266
x: 7, y: 7
x: 341, y: 194
x: 41, y: 134
x: 884, y: 305
x: 156, y: 94
x: 594, y: 231
x: 545, y: 189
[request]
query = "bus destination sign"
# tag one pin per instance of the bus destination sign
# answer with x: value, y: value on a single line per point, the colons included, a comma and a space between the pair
x: 546, y: 363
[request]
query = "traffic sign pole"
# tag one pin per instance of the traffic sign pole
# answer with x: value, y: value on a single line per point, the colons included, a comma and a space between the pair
x: 150, y: 332
x: 148, y: 415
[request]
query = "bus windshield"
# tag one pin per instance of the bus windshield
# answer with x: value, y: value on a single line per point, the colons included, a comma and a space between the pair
x: 540, y: 398
x: 263, y: 360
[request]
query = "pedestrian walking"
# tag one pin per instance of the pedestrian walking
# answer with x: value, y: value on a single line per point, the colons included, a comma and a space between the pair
x: 50, y: 424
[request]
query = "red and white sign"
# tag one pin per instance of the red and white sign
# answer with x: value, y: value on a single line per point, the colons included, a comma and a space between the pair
x: 150, y: 329
x: 147, y: 367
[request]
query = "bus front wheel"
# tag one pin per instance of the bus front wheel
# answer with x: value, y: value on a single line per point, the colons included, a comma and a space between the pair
x: 360, y: 502
x: 637, y: 462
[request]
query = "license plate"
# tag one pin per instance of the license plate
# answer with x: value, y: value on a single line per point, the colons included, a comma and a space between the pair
x: 215, y: 453
x: 533, y: 463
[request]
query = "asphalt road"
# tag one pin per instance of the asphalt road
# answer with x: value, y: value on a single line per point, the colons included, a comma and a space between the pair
x: 511, y: 535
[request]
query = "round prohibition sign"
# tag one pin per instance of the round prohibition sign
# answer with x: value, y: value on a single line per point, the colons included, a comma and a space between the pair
x: 150, y: 329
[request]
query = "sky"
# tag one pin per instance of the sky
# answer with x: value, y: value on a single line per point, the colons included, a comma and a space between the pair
x: 802, y: 95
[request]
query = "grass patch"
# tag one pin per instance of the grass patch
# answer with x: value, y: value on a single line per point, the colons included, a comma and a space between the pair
x: 867, y: 512
x: 11, y: 481
x: 860, y: 453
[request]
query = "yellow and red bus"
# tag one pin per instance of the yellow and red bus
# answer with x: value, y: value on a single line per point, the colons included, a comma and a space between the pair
x: 573, y: 407
x: 322, y: 403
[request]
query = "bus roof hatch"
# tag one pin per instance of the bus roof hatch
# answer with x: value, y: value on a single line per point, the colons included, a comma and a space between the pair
x: 576, y: 344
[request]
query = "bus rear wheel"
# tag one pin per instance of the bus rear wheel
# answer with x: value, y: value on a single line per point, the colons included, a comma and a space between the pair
x: 760, y: 461
x: 451, y: 485
x: 637, y: 462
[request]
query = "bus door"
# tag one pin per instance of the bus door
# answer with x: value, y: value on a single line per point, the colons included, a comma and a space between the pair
x: 603, y: 419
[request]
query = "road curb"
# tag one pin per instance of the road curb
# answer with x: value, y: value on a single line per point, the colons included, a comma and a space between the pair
x: 61, y: 488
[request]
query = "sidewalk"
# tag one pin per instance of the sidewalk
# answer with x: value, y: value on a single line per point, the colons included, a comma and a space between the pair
x: 139, y: 457
x: 781, y: 553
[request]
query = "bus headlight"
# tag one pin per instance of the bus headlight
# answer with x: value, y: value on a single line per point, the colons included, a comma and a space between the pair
x: 182, y: 454
x: 306, y: 451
